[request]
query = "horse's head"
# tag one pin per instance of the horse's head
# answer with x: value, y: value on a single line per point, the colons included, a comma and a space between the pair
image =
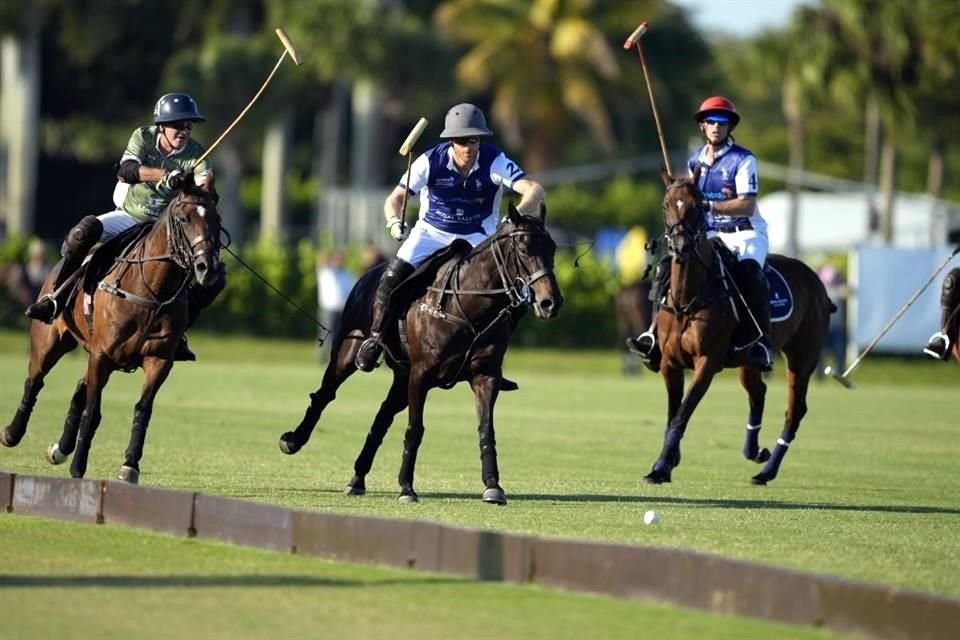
x: 684, y: 215
x: 531, y: 263
x: 194, y: 228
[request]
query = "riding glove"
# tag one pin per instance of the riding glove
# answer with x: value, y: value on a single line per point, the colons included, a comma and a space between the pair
x: 396, y: 229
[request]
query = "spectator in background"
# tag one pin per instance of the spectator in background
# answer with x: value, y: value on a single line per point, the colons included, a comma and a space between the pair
x: 23, y: 280
x: 334, y: 283
x: 836, y: 345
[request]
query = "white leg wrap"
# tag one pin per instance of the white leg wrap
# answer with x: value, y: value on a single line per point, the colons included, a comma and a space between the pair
x: 783, y: 442
x: 751, y: 427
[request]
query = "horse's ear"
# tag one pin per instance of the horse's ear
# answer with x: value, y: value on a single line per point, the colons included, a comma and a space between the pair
x: 512, y: 214
x: 666, y: 177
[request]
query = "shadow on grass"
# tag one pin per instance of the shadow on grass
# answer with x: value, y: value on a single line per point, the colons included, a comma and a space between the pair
x: 176, y: 582
x: 712, y: 503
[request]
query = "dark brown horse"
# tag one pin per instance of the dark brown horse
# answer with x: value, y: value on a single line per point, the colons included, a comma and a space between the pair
x: 134, y: 318
x: 456, y: 327
x: 698, y: 322
x: 633, y: 309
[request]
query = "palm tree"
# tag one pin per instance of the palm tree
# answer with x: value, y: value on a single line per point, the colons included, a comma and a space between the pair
x: 545, y: 62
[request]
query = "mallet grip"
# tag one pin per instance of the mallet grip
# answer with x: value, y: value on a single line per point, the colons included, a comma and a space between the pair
x: 288, y: 45
x: 413, y: 136
x: 636, y: 35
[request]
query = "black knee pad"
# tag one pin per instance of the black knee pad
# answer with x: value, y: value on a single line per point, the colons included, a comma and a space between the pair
x: 83, y: 236
x: 950, y: 292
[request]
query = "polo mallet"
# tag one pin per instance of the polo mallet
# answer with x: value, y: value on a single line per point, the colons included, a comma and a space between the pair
x: 406, y: 149
x: 287, y: 48
x: 634, y: 39
x: 842, y: 377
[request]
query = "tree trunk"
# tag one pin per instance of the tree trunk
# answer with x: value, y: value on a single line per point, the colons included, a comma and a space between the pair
x: 228, y: 172
x: 796, y: 125
x: 366, y: 165
x: 19, y: 130
x: 871, y: 160
x: 273, y: 202
x: 888, y: 176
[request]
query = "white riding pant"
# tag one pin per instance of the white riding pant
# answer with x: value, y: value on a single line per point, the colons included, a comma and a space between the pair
x: 747, y: 244
x: 115, y: 223
x: 425, y: 240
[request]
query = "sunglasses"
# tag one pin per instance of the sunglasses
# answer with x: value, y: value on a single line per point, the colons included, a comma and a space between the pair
x: 716, y: 120
x: 464, y: 142
x: 180, y: 125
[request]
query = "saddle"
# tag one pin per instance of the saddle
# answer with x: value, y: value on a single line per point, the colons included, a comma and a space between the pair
x: 416, y: 283
x: 781, y: 297
x: 102, y: 261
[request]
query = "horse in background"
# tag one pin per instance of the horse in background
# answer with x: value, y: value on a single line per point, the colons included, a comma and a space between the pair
x: 456, y: 327
x: 130, y: 317
x: 633, y: 311
x: 698, y: 330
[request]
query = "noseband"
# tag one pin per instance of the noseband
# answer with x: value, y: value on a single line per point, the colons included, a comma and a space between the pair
x: 180, y: 247
x: 519, y: 292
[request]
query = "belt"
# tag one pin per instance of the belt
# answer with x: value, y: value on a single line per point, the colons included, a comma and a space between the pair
x: 733, y: 228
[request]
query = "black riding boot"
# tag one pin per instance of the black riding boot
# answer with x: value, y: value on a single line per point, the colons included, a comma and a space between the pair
x: 75, y: 248
x: 397, y: 271
x: 645, y: 345
x: 756, y: 291
x: 198, y: 299
x: 938, y: 346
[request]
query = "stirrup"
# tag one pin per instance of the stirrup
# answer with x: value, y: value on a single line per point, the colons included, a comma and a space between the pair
x: 938, y: 346
x: 368, y: 354
x: 39, y: 311
x: 762, y: 359
x: 643, y: 344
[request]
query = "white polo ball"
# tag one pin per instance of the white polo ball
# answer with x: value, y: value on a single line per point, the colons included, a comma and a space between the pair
x: 828, y: 371
x: 651, y: 517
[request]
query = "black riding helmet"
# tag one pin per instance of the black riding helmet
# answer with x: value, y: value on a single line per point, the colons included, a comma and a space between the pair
x: 174, y: 107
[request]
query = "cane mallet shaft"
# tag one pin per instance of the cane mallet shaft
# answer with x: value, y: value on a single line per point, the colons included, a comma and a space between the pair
x: 288, y: 48
x: 842, y: 377
x: 634, y: 39
x: 406, y: 149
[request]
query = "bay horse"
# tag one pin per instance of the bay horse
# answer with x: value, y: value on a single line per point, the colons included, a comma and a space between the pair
x: 134, y: 318
x: 698, y: 322
x: 455, y: 326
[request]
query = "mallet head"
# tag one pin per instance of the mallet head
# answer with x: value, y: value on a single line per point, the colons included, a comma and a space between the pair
x: 288, y: 45
x: 839, y: 377
x: 413, y: 136
x: 636, y: 35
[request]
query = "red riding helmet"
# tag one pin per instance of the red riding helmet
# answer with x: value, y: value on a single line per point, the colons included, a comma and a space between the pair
x: 718, y: 104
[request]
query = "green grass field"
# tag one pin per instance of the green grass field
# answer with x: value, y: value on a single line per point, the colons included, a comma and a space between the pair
x: 867, y: 492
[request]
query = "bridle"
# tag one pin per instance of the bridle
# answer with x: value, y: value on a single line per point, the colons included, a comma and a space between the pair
x: 694, y: 234
x: 180, y: 250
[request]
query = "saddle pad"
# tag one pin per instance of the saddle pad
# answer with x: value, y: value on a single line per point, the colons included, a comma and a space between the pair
x: 781, y: 297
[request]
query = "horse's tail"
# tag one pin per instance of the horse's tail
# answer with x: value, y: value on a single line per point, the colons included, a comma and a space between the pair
x: 358, y: 309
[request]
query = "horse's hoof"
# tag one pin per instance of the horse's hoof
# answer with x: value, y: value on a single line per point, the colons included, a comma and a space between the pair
x: 762, y: 456
x: 129, y: 475
x: 353, y: 490
x: 54, y: 455
x: 288, y: 445
x: 6, y: 440
x: 494, y: 495
x: 656, y: 478
x: 760, y: 480
x: 408, y: 498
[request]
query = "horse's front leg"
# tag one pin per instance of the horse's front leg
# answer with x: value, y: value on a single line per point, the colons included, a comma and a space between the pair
x: 98, y: 373
x: 394, y: 403
x: 58, y: 452
x: 486, y: 388
x: 417, y: 396
x: 752, y: 380
x: 704, y: 370
x: 338, y: 370
x: 47, y: 346
x: 156, y: 371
